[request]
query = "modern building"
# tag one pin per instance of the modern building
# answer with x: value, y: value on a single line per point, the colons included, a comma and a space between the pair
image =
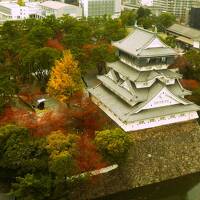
x: 59, y: 9
x: 94, y: 8
x: 139, y: 91
x: 12, y: 11
x: 186, y: 37
x: 179, y: 8
x: 132, y: 2
x: 194, y: 18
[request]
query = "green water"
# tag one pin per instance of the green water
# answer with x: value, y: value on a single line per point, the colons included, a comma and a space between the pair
x: 184, y: 188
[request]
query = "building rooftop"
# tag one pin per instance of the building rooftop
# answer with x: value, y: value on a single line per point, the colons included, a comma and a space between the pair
x: 9, y: 5
x: 144, y: 43
x: 141, y: 76
x: 137, y: 99
x: 56, y: 5
x: 184, y: 31
x: 125, y: 111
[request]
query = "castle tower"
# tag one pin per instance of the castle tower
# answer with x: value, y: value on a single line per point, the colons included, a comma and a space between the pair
x: 139, y: 91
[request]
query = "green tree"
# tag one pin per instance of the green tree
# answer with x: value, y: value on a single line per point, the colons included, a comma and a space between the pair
x: 147, y: 22
x: 113, y: 144
x: 20, y: 152
x: 29, y: 187
x: 29, y: 23
x: 101, y: 54
x: 62, y: 150
x: 145, y: 18
x: 193, y: 58
x: 164, y: 20
x: 53, y: 23
x: 80, y: 33
x: 171, y: 41
x: 36, y: 167
x: 38, y: 63
x: 39, y: 35
x: 113, y: 30
x: 128, y: 17
x: 67, y: 23
x: 8, y: 88
x: 143, y: 12
x: 6, y: 131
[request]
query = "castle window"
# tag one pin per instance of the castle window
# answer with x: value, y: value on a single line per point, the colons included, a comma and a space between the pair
x: 163, y: 59
x: 152, y: 120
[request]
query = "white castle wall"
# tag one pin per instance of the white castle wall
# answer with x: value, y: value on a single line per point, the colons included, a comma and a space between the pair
x: 146, y: 68
x: 149, y: 123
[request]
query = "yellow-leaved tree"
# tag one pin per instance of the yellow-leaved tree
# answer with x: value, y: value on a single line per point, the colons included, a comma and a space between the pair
x: 21, y: 3
x: 65, y: 78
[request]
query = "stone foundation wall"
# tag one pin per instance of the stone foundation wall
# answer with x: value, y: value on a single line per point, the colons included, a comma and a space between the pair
x: 157, y: 154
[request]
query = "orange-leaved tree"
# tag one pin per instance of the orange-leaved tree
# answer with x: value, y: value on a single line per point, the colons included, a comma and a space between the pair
x: 65, y: 78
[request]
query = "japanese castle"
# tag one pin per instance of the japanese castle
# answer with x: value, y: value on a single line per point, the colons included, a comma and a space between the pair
x: 139, y: 91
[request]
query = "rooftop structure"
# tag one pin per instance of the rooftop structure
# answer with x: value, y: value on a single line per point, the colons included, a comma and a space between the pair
x: 93, y: 8
x: 186, y: 35
x: 139, y: 91
x: 12, y: 11
x: 59, y: 9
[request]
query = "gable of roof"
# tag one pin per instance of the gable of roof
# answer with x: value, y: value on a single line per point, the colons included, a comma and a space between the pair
x: 131, y: 98
x: 154, y: 93
x: 184, y: 31
x: 155, y: 43
x: 123, y: 110
x: 137, y: 42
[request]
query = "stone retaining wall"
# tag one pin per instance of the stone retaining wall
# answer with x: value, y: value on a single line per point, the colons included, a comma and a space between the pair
x: 157, y: 154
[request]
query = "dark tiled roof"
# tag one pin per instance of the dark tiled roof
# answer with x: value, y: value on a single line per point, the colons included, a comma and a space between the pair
x: 185, y: 31
x: 136, y: 44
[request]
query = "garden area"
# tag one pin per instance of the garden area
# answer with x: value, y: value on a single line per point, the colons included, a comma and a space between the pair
x: 43, y: 152
x: 46, y: 151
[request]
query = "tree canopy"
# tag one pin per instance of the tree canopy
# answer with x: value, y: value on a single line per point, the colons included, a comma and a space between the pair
x: 65, y: 78
x: 114, y: 144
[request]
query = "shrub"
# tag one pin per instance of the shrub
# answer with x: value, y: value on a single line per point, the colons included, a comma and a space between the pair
x: 113, y: 144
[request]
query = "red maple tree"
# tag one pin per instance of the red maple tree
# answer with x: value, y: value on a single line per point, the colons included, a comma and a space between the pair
x: 55, y: 43
x: 88, y: 157
x: 190, y: 84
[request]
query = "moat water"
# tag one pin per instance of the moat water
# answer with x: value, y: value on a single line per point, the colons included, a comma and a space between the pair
x: 184, y: 188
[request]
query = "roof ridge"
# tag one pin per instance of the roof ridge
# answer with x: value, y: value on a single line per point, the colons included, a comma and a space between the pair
x: 146, y: 30
x: 187, y: 26
x: 140, y: 105
x: 145, y: 45
x: 132, y: 32
x: 118, y: 41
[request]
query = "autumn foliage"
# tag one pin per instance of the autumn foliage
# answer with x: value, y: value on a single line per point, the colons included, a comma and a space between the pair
x: 65, y: 78
x: 55, y: 43
x: 181, y: 63
x: 87, y: 117
x: 89, y: 158
x: 38, y: 126
x: 190, y: 84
